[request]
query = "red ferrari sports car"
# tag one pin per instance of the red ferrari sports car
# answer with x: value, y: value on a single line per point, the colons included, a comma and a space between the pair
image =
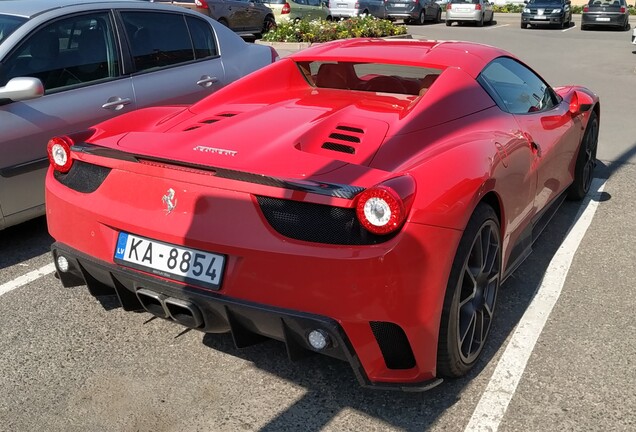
x: 363, y: 199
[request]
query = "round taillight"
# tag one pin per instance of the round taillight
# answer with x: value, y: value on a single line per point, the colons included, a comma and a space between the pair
x: 59, y: 151
x: 286, y: 9
x: 380, y: 210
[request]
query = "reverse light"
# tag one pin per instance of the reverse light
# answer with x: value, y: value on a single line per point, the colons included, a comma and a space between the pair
x: 318, y: 339
x: 286, y: 9
x: 59, y: 151
x: 382, y: 209
x: 202, y: 4
x: 62, y: 264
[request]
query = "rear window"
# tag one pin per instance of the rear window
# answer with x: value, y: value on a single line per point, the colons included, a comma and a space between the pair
x: 465, y: 1
x: 607, y: 3
x: 8, y: 24
x: 276, y: 1
x: 371, y: 77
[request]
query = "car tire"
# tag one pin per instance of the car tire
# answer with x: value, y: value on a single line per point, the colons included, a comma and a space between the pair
x: 269, y: 24
x: 524, y: 25
x: 471, y: 294
x: 583, y: 27
x: 480, y: 23
x: 448, y: 23
x: 438, y: 18
x: 585, y: 161
x: 421, y: 18
x: 566, y: 24
x: 224, y: 22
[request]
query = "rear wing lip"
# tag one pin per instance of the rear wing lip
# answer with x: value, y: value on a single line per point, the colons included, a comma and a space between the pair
x: 335, y: 190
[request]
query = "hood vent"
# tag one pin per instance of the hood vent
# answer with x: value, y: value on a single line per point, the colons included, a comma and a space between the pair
x: 211, y: 120
x: 341, y: 139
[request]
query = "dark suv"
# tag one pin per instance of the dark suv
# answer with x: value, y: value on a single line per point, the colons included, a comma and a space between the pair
x: 546, y: 12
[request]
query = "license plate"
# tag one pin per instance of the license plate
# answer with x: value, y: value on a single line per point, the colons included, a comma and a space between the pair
x: 540, y: 17
x: 399, y: 5
x: 463, y: 10
x: 342, y: 5
x: 602, y: 19
x: 170, y: 261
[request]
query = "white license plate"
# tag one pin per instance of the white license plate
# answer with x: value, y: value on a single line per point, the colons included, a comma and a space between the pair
x: 342, y: 5
x: 170, y: 261
x: 602, y: 19
x: 399, y: 5
x: 463, y: 10
x: 540, y: 17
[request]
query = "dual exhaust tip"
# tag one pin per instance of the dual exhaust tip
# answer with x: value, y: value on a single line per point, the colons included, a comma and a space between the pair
x: 181, y: 311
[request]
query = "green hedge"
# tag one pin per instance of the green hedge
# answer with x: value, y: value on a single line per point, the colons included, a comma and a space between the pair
x: 324, y: 31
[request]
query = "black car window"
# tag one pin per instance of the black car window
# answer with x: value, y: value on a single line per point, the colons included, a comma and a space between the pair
x: 202, y: 38
x: 8, y: 24
x: 158, y: 39
x: 67, y: 53
x: 516, y: 88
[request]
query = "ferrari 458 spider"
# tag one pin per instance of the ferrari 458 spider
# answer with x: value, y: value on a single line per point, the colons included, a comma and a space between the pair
x: 364, y: 199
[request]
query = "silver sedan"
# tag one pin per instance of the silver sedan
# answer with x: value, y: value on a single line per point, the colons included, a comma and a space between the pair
x: 476, y: 11
x: 67, y: 66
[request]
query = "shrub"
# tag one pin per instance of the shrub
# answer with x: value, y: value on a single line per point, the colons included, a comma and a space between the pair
x: 324, y: 31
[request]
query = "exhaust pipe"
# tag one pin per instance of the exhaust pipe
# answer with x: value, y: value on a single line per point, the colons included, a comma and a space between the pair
x: 181, y: 311
x: 153, y: 302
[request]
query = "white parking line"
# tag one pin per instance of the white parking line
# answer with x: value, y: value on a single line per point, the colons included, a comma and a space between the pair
x: 569, y: 28
x: 27, y: 278
x: 493, y: 404
x: 497, y: 26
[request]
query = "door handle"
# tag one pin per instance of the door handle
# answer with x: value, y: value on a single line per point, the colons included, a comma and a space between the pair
x: 536, y: 148
x: 207, y: 81
x: 116, y: 103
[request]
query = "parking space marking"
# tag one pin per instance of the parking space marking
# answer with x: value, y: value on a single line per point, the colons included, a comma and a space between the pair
x: 493, y: 404
x: 569, y: 28
x: 27, y: 278
x: 497, y: 26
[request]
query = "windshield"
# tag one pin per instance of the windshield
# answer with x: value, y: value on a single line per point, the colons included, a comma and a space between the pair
x: 371, y: 77
x: 8, y: 24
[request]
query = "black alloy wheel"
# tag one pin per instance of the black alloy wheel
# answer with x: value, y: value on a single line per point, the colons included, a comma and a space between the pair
x: 471, y: 294
x: 585, y: 161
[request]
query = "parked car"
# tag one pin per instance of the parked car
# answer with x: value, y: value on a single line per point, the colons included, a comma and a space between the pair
x: 546, y: 12
x: 414, y: 11
x: 463, y: 11
x: 290, y: 10
x: 374, y: 224
x: 634, y: 37
x: 245, y: 17
x: 605, y: 13
x: 65, y: 66
x: 351, y: 8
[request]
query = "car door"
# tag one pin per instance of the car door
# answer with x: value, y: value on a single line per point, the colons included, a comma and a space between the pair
x: 544, y: 121
x: 176, y: 57
x: 78, y: 61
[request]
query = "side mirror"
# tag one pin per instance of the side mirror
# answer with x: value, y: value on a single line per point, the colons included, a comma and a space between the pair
x: 580, y: 102
x: 22, y: 88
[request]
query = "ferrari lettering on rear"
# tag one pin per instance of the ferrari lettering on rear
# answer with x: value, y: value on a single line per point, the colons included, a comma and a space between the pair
x: 214, y: 150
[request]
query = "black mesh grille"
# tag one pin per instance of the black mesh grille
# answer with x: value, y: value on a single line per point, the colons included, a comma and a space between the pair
x: 394, y: 345
x: 344, y: 137
x: 339, y: 147
x: 83, y: 177
x: 350, y: 129
x: 317, y: 223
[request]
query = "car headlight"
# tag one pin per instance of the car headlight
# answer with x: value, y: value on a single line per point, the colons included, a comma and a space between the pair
x: 556, y: 10
x: 526, y: 10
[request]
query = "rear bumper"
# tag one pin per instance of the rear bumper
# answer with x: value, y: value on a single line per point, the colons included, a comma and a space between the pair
x: 248, y: 322
x: 609, y: 20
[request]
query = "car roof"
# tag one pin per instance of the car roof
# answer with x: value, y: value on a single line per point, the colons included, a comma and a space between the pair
x: 469, y: 56
x: 30, y: 8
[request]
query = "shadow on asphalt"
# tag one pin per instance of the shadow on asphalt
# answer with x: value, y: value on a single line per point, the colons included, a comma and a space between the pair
x: 23, y: 242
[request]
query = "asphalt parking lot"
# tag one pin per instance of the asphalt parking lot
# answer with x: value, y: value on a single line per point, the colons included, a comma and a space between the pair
x: 69, y: 363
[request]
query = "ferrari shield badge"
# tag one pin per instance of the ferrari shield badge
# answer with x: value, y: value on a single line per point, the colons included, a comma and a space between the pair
x: 170, y: 201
